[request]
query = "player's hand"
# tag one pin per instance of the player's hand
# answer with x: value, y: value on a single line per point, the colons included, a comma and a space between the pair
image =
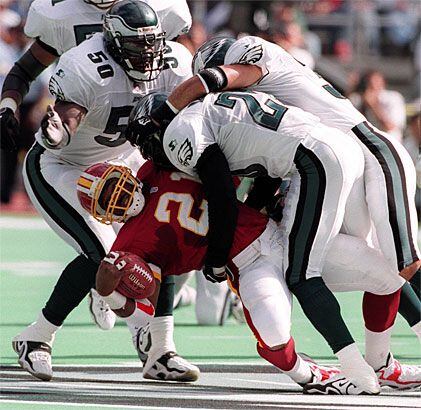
x: 9, y: 129
x: 217, y: 275
x: 55, y: 134
x: 140, y: 130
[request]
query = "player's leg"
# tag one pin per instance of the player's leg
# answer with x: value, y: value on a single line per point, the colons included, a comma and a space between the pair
x: 52, y: 188
x: 184, y: 294
x: 313, y: 215
x: 390, y: 185
x: 353, y: 266
x: 162, y: 361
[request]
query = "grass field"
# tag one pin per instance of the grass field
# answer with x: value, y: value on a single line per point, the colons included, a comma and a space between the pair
x: 32, y: 257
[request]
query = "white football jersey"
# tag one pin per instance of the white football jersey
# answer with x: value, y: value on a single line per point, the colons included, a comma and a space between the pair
x: 293, y: 83
x: 257, y: 134
x: 88, y: 76
x: 64, y: 24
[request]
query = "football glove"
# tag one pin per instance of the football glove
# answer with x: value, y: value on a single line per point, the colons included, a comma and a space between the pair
x: 217, y: 275
x: 9, y: 129
x: 54, y: 133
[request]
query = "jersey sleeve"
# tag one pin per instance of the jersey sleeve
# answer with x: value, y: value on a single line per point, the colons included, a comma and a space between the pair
x: 68, y: 84
x: 175, y: 18
x: 178, y: 63
x: 40, y: 25
x: 185, y: 140
x: 249, y: 50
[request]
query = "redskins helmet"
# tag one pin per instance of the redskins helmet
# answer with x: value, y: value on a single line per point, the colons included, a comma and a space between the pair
x: 133, y: 37
x: 110, y: 193
x: 211, y: 54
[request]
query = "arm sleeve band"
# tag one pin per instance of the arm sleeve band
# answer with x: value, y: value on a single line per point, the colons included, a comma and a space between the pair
x: 263, y: 190
x: 214, y: 79
x: 24, y: 71
x: 212, y: 168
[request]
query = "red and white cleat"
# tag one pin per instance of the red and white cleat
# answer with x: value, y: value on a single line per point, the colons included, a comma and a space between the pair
x: 322, y: 373
x: 399, y: 376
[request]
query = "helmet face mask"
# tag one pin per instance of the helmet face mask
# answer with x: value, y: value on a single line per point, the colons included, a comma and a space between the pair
x: 134, y: 39
x: 110, y: 193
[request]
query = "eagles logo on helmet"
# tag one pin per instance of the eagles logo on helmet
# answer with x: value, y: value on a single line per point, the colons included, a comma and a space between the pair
x: 110, y: 193
x: 134, y: 38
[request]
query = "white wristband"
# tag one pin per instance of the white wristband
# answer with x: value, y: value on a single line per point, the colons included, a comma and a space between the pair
x: 9, y: 103
x: 172, y: 108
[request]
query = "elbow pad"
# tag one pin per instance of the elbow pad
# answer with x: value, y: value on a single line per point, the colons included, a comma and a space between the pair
x: 213, y: 79
x: 24, y: 71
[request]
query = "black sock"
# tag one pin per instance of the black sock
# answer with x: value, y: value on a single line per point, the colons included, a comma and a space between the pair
x: 416, y: 283
x: 165, y: 303
x: 73, y: 285
x: 323, y: 311
x: 410, y: 305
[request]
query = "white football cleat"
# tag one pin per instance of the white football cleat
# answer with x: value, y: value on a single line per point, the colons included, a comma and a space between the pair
x: 336, y: 385
x: 101, y: 313
x: 170, y: 367
x: 399, y: 376
x: 35, y: 358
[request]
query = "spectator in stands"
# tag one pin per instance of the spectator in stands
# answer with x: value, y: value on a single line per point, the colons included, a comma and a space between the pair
x: 290, y: 38
x: 384, y: 108
x: 412, y: 140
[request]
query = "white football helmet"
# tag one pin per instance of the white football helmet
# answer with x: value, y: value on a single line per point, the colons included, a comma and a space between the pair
x: 110, y: 193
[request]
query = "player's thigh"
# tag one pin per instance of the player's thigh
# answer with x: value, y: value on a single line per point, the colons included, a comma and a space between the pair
x: 212, y: 301
x: 316, y: 201
x: 266, y: 297
x: 390, y: 187
x: 51, y: 185
x: 351, y: 265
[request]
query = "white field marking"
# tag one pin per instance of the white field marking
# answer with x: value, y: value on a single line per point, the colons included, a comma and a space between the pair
x: 9, y: 222
x: 254, y: 381
x: 65, y: 403
x: 32, y: 268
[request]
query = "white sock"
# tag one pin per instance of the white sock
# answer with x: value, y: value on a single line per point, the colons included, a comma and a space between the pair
x: 417, y: 330
x: 377, y: 347
x: 162, y: 334
x: 301, y: 372
x: 39, y: 331
x: 356, y: 369
x: 136, y: 320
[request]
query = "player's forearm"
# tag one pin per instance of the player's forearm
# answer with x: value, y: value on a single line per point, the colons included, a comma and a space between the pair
x: 237, y: 76
x: 18, y: 81
x: 214, y: 172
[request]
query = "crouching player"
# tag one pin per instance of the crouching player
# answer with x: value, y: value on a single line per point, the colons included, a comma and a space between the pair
x: 169, y: 232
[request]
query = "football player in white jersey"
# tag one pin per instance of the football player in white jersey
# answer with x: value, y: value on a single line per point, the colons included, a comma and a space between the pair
x: 252, y: 134
x: 96, y: 85
x: 389, y: 175
x: 56, y: 26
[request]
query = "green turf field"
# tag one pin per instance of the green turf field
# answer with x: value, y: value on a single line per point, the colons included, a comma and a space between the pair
x: 32, y: 257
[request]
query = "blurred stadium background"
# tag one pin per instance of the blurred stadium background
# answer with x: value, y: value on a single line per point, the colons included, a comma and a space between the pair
x: 361, y: 46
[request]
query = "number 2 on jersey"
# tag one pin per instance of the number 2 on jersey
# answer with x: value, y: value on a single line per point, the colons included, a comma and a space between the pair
x: 186, y: 203
x: 266, y: 119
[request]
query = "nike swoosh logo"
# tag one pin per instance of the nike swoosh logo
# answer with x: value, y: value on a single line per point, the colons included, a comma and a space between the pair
x: 148, y: 309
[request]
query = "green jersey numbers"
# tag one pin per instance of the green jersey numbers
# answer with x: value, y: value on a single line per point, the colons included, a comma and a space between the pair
x: 269, y: 118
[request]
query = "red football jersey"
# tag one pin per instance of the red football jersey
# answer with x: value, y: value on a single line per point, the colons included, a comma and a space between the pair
x: 170, y: 232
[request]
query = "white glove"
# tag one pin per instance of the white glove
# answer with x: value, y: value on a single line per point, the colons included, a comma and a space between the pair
x: 54, y: 133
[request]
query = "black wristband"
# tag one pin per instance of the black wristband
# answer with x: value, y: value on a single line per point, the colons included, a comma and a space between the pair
x: 214, y: 78
x: 163, y: 114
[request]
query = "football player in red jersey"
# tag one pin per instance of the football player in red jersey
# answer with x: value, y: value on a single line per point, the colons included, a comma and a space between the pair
x: 170, y: 234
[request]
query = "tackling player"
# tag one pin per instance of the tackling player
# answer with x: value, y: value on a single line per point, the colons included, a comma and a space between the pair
x: 167, y: 226
x: 244, y: 133
x: 96, y: 85
x: 389, y: 175
x: 57, y: 26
